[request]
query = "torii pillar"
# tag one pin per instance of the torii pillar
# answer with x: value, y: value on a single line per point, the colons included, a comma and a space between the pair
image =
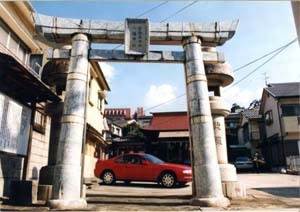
x: 207, y: 181
x: 67, y: 172
x: 207, y: 187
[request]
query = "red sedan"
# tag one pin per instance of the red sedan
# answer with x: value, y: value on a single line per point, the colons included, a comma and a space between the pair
x: 142, y: 167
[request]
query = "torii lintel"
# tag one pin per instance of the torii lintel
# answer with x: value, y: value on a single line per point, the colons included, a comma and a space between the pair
x: 61, y: 30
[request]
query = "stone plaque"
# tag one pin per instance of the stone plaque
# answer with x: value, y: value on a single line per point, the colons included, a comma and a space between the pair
x: 14, y: 126
x: 136, y: 36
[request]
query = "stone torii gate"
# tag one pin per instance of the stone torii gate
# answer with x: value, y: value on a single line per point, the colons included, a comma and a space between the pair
x: 205, y: 69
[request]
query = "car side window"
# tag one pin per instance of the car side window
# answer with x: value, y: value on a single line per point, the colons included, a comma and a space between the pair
x: 120, y: 160
x: 129, y: 159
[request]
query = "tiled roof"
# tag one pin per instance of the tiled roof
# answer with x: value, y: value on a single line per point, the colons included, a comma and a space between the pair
x: 169, y: 121
x: 291, y: 89
x: 251, y: 113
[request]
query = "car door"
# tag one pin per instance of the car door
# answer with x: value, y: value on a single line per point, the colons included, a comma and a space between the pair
x: 120, y: 167
x: 134, y: 168
x: 141, y: 169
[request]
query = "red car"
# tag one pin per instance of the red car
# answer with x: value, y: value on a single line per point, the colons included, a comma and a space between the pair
x: 142, y: 167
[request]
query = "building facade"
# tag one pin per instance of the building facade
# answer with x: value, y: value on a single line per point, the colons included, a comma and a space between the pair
x: 24, y: 123
x: 32, y: 92
x: 280, y: 107
x: 168, y: 136
x: 250, y: 127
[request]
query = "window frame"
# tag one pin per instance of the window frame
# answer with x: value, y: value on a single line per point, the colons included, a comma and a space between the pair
x: 40, y: 125
x: 269, y: 117
x: 20, y: 44
x: 290, y: 113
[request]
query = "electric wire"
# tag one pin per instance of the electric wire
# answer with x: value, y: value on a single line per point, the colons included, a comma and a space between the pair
x: 278, y: 50
x: 170, y: 16
x: 178, y: 11
x: 261, y: 65
x: 257, y: 59
x: 144, y: 13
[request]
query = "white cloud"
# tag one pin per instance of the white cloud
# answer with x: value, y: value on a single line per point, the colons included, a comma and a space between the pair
x: 108, y: 70
x: 241, y: 97
x: 159, y: 94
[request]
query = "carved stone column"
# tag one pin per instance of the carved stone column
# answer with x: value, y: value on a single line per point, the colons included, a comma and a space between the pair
x: 54, y: 74
x: 220, y: 75
x: 219, y: 112
x: 67, y: 173
x: 207, y: 188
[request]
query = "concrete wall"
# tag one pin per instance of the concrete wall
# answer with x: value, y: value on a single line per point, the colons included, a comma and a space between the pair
x: 39, y: 152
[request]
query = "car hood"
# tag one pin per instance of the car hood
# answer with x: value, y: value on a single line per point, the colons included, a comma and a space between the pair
x: 177, y: 166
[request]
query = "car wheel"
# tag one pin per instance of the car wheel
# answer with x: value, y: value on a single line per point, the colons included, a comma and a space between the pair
x: 168, y: 180
x: 108, y: 177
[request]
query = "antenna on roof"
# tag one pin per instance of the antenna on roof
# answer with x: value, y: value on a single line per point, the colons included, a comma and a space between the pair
x: 266, y: 78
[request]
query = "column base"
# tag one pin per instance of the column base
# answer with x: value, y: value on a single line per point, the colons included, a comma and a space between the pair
x: 210, y: 202
x: 234, y: 190
x: 228, y: 172
x: 62, y: 204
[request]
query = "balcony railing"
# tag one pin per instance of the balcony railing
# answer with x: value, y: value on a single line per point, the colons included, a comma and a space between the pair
x: 25, y: 64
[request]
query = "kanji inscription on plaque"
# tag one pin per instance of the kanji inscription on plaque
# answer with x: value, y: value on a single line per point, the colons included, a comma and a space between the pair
x: 136, y: 36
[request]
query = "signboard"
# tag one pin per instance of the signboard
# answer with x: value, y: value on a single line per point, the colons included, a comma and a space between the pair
x: 14, y: 126
x: 136, y: 36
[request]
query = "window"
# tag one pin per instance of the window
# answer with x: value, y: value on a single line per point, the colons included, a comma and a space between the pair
x: 290, y: 110
x: 11, y: 44
x: 269, y: 117
x: 39, y: 121
x: 101, y: 98
x: 35, y: 62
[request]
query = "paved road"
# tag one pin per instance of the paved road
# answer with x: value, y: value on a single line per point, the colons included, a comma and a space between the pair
x: 266, y: 192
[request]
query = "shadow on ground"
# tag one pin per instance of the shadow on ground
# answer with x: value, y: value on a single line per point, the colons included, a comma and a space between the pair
x: 289, y: 192
x: 142, y: 185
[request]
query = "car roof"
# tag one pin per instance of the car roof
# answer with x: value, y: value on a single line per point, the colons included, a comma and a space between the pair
x: 134, y: 153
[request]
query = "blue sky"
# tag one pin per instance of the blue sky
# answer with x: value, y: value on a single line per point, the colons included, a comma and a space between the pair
x: 263, y: 27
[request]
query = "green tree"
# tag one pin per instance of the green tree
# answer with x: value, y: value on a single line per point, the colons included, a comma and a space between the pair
x: 133, y: 131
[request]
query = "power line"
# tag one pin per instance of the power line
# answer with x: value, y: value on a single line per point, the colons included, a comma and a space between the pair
x: 151, y: 9
x: 257, y: 59
x: 144, y: 13
x: 163, y: 103
x: 170, y: 16
x: 178, y: 11
x: 280, y: 49
x: 264, y: 63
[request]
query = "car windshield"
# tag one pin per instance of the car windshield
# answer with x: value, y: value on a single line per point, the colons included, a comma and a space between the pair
x: 153, y: 159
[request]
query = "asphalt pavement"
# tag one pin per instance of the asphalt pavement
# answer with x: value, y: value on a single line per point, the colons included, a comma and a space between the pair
x: 265, y: 192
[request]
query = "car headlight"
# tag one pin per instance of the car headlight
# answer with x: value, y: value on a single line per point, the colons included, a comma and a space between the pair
x: 188, y: 171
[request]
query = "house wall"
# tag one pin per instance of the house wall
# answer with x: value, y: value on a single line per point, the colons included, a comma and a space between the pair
x: 95, y: 108
x: 89, y: 160
x: 95, y: 118
x: 38, y: 156
x: 18, y: 17
x: 272, y: 129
